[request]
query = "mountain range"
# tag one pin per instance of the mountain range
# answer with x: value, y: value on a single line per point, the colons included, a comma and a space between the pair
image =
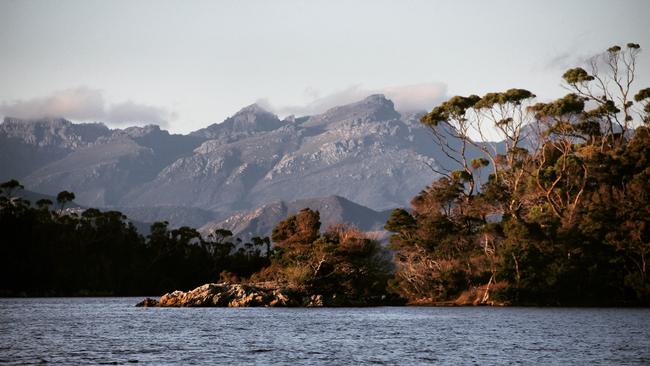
x: 365, y: 153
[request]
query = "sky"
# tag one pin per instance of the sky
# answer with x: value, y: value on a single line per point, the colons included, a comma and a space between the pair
x: 187, y: 64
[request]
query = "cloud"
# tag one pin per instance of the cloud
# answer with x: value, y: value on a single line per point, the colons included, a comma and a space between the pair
x: 574, y: 56
x: 130, y: 112
x: 417, y: 97
x: 564, y: 61
x: 318, y: 104
x: 86, y: 104
x: 406, y: 98
x: 80, y: 103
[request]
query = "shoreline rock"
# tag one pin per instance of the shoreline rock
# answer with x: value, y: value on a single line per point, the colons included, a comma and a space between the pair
x: 148, y: 302
x: 229, y: 295
x: 262, y: 294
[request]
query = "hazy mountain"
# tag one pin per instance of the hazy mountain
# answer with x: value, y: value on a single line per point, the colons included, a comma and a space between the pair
x: 26, y: 145
x: 33, y: 197
x: 101, y: 171
x: 333, y: 210
x: 176, y: 215
x: 365, y: 151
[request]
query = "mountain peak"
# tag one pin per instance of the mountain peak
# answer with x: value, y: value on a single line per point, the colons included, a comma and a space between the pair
x: 252, y: 109
x: 52, y: 131
x: 253, y: 118
x: 378, y: 98
x: 248, y: 120
x: 375, y: 107
x: 139, y: 131
x: 379, y: 102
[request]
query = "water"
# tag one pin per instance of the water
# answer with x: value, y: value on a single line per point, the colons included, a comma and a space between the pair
x: 112, y: 331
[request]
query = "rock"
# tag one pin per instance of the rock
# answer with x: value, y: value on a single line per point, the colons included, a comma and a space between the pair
x: 261, y: 294
x: 315, y: 301
x: 148, y: 302
x: 227, y: 295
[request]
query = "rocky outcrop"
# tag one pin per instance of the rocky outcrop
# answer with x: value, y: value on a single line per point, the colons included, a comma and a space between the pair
x: 232, y: 295
x: 148, y: 302
x: 261, y: 294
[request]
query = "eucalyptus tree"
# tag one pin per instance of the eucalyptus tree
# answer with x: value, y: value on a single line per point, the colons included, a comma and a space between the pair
x: 608, y: 85
x: 63, y: 198
x: 10, y: 186
x: 493, y: 124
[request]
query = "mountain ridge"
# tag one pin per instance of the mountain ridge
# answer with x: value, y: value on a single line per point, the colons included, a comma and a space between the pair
x: 365, y: 151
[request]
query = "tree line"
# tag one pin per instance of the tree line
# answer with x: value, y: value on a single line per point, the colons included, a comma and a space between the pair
x: 48, y: 250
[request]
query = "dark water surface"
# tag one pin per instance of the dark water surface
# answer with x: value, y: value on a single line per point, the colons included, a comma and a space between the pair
x: 112, y: 331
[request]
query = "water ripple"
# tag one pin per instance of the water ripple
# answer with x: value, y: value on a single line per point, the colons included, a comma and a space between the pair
x: 110, y: 331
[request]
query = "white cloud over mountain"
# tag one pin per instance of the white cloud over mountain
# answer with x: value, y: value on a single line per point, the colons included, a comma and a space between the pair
x: 86, y: 104
x: 407, y: 98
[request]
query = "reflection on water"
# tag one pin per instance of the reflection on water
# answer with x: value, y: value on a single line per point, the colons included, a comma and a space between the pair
x: 112, y: 331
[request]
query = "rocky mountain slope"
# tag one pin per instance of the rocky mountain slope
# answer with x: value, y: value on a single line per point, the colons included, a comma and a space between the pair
x: 366, y: 152
x: 26, y: 145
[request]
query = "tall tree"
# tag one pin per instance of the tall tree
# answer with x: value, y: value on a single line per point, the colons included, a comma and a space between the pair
x: 63, y: 198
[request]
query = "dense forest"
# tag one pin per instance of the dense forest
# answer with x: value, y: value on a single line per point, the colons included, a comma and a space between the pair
x: 555, y: 213
x: 50, y: 250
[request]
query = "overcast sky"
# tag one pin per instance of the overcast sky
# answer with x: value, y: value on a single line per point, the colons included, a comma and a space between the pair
x: 186, y: 64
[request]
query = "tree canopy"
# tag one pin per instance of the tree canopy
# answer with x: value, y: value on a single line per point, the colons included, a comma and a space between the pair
x: 562, y: 219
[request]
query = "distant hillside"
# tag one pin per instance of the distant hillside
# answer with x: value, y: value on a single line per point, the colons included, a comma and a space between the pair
x: 176, y: 215
x: 333, y: 210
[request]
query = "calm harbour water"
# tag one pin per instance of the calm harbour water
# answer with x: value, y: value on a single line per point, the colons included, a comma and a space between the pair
x: 112, y: 331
